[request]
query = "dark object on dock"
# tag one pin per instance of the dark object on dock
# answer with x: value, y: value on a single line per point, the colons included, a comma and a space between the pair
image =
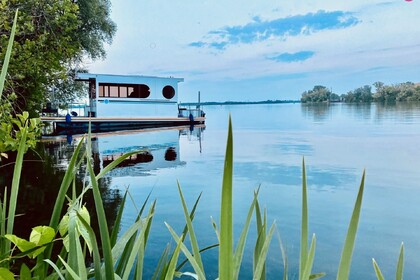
x: 49, y: 109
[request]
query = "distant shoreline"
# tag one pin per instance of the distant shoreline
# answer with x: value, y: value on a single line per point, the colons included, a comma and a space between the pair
x: 238, y: 102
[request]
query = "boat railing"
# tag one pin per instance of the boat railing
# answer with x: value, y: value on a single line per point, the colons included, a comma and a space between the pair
x: 184, y: 112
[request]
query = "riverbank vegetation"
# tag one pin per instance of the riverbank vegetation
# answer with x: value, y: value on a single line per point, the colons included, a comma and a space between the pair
x: 52, y: 38
x: 383, y: 93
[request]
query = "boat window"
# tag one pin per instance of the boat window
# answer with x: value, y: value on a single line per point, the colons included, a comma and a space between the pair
x: 113, y: 91
x: 168, y: 92
x: 144, y: 91
x: 124, y: 90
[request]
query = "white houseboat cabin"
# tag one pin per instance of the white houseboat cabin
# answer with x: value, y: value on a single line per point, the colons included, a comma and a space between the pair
x: 128, y: 101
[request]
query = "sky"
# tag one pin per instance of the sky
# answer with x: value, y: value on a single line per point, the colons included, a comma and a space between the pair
x: 252, y: 50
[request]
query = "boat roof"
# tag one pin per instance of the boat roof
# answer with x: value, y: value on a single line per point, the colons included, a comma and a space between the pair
x: 112, y: 77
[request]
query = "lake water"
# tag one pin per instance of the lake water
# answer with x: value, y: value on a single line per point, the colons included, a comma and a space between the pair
x: 338, y: 142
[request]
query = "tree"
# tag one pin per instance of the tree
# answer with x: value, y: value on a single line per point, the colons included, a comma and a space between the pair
x: 51, y: 41
x: 317, y: 94
x: 361, y: 94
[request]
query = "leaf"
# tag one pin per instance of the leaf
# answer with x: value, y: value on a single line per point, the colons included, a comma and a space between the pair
x: 193, y: 262
x: 63, y: 226
x: 310, y: 260
x: 226, y: 224
x: 346, y: 255
x: 25, y: 272
x: 5, y: 274
x: 8, y: 54
x: 193, y: 239
x: 239, y: 251
x: 103, y: 225
x: 377, y: 270
x: 22, y: 244
x: 258, y: 274
x: 400, y: 264
x: 117, y: 223
x: 57, y: 270
x: 41, y: 235
x: 96, y: 257
x: 304, y: 226
x: 171, y: 268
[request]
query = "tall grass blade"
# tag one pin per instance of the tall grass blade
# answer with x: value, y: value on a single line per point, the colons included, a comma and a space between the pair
x: 400, y: 264
x: 304, y: 226
x: 346, y: 255
x: 284, y: 257
x: 261, y: 230
x: 190, y: 257
x: 138, y: 245
x: 57, y: 270
x: 226, y: 228
x: 73, y: 237
x: 317, y: 276
x: 239, y: 251
x: 81, y: 260
x: 95, y: 248
x: 15, y: 185
x: 72, y: 273
x: 193, y: 238
x: 201, y: 251
x: 161, y: 263
x: 260, y: 267
x: 170, y: 273
x: 117, y: 223
x: 103, y: 226
x: 377, y: 270
x: 310, y: 260
x: 8, y: 54
x: 3, y: 250
x: 123, y: 244
x: 216, y: 230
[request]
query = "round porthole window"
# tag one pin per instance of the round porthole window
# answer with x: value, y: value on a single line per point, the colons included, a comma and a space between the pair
x: 168, y: 92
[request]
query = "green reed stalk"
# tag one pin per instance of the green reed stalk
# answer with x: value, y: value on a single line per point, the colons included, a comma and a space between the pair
x: 347, y: 253
x: 226, y: 228
x: 8, y: 54
x: 304, y: 226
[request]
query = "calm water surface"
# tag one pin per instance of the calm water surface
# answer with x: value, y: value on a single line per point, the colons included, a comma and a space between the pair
x: 338, y: 142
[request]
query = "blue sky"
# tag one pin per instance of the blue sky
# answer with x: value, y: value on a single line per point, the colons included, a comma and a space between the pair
x: 266, y: 49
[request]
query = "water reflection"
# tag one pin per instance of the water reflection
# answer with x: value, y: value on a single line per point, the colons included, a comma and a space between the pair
x: 42, y: 173
x: 44, y: 169
x: 319, y: 112
x: 402, y: 112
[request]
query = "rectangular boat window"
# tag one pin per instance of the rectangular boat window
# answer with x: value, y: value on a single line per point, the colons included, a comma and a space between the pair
x: 123, y: 91
x: 101, y: 91
x: 113, y: 91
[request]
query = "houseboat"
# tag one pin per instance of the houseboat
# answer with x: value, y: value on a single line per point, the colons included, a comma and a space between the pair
x: 121, y: 102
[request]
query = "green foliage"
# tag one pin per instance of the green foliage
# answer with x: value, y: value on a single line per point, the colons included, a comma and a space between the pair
x: 361, y: 94
x: 384, y: 93
x: 318, y: 94
x: 51, y: 39
x: 40, y: 236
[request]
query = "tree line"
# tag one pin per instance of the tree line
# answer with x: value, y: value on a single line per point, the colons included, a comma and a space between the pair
x: 407, y: 91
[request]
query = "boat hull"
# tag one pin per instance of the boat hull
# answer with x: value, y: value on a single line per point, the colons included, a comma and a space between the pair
x: 81, y: 124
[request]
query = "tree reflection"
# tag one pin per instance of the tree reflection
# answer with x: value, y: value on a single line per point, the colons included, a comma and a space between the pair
x: 42, y: 173
x: 319, y: 112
